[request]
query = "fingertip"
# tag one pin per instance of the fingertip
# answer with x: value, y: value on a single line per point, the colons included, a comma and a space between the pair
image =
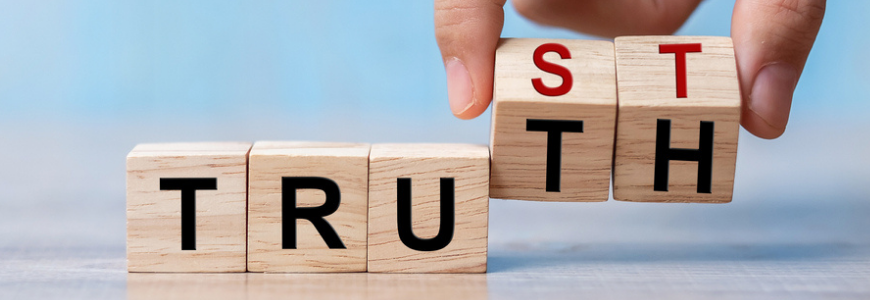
x: 466, y: 102
x: 467, y: 32
x: 758, y: 127
x: 769, y: 104
x: 460, y: 90
x: 472, y: 111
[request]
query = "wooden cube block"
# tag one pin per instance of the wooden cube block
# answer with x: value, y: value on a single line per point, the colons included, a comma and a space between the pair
x: 553, y: 120
x: 428, y: 208
x: 307, y: 207
x: 186, y: 206
x: 679, y: 114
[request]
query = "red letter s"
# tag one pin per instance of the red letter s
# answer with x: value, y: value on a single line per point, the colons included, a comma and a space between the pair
x: 567, y: 80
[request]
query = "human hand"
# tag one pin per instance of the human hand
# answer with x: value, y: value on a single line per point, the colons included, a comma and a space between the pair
x: 772, y: 39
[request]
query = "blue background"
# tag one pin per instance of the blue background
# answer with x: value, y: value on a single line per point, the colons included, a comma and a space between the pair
x: 82, y: 82
x: 211, y: 60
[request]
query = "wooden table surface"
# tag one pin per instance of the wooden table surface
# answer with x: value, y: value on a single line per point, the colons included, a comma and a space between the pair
x: 798, y: 228
x: 665, y: 271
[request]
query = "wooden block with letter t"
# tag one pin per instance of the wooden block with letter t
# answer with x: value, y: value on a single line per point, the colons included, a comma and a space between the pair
x: 186, y: 206
x: 553, y: 119
x: 679, y: 114
x: 428, y: 208
x: 307, y: 207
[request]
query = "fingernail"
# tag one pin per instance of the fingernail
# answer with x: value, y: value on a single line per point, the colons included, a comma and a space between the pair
x: 459, y: 89
x: 772, y: 93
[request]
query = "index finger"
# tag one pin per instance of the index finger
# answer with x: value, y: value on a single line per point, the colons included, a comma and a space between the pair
x: 467, y: 31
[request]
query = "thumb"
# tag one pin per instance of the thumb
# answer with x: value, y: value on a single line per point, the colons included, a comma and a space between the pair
x: 772, y: 39
x: 467, y: 33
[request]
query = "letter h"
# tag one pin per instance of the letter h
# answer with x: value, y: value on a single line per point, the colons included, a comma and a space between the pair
x: 703, y: 155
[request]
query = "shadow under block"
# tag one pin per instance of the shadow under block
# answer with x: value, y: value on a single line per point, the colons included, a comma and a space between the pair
x: 676, y: 139
x: 558, y: 146
x: 204, y: 182
x: 301, y: 183
x: 410, y: 226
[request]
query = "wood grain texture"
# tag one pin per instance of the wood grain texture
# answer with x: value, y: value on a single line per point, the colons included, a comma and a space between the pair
x: 154, y: 216
x: 425, y: 164
x: 647, y: 92
x: 306, y: 286
x: 344, y: 163
x: 523, y: 270
x: 519, y: 157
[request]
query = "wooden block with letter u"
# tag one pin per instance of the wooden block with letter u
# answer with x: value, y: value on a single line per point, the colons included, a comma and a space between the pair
x: 428, y: 208
x: 186, y: 206
x: 307, y: 207
x: 679, y: 114
x: 553, y: 119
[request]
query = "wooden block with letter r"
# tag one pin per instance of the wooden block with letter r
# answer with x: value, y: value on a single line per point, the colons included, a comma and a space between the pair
x: 186, y: 206
x: 679, y: 114
x: 553, y: 119
x: 428, y: 208
x: 307, y: 207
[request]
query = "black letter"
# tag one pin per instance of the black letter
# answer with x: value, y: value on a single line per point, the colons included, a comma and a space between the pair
x: 188, y: 187
x: 703, y: 155
x: 316, y: 215
x: 554, y: 129
x: 403, y: 217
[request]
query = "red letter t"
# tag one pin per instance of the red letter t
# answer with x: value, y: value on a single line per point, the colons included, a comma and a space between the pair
x: 680, y: 50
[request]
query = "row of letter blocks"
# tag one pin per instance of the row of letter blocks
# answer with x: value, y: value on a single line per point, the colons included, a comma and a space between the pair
x: 557, y: 133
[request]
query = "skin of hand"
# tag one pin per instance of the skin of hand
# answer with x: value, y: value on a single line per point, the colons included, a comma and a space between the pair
x: 772, y: 39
